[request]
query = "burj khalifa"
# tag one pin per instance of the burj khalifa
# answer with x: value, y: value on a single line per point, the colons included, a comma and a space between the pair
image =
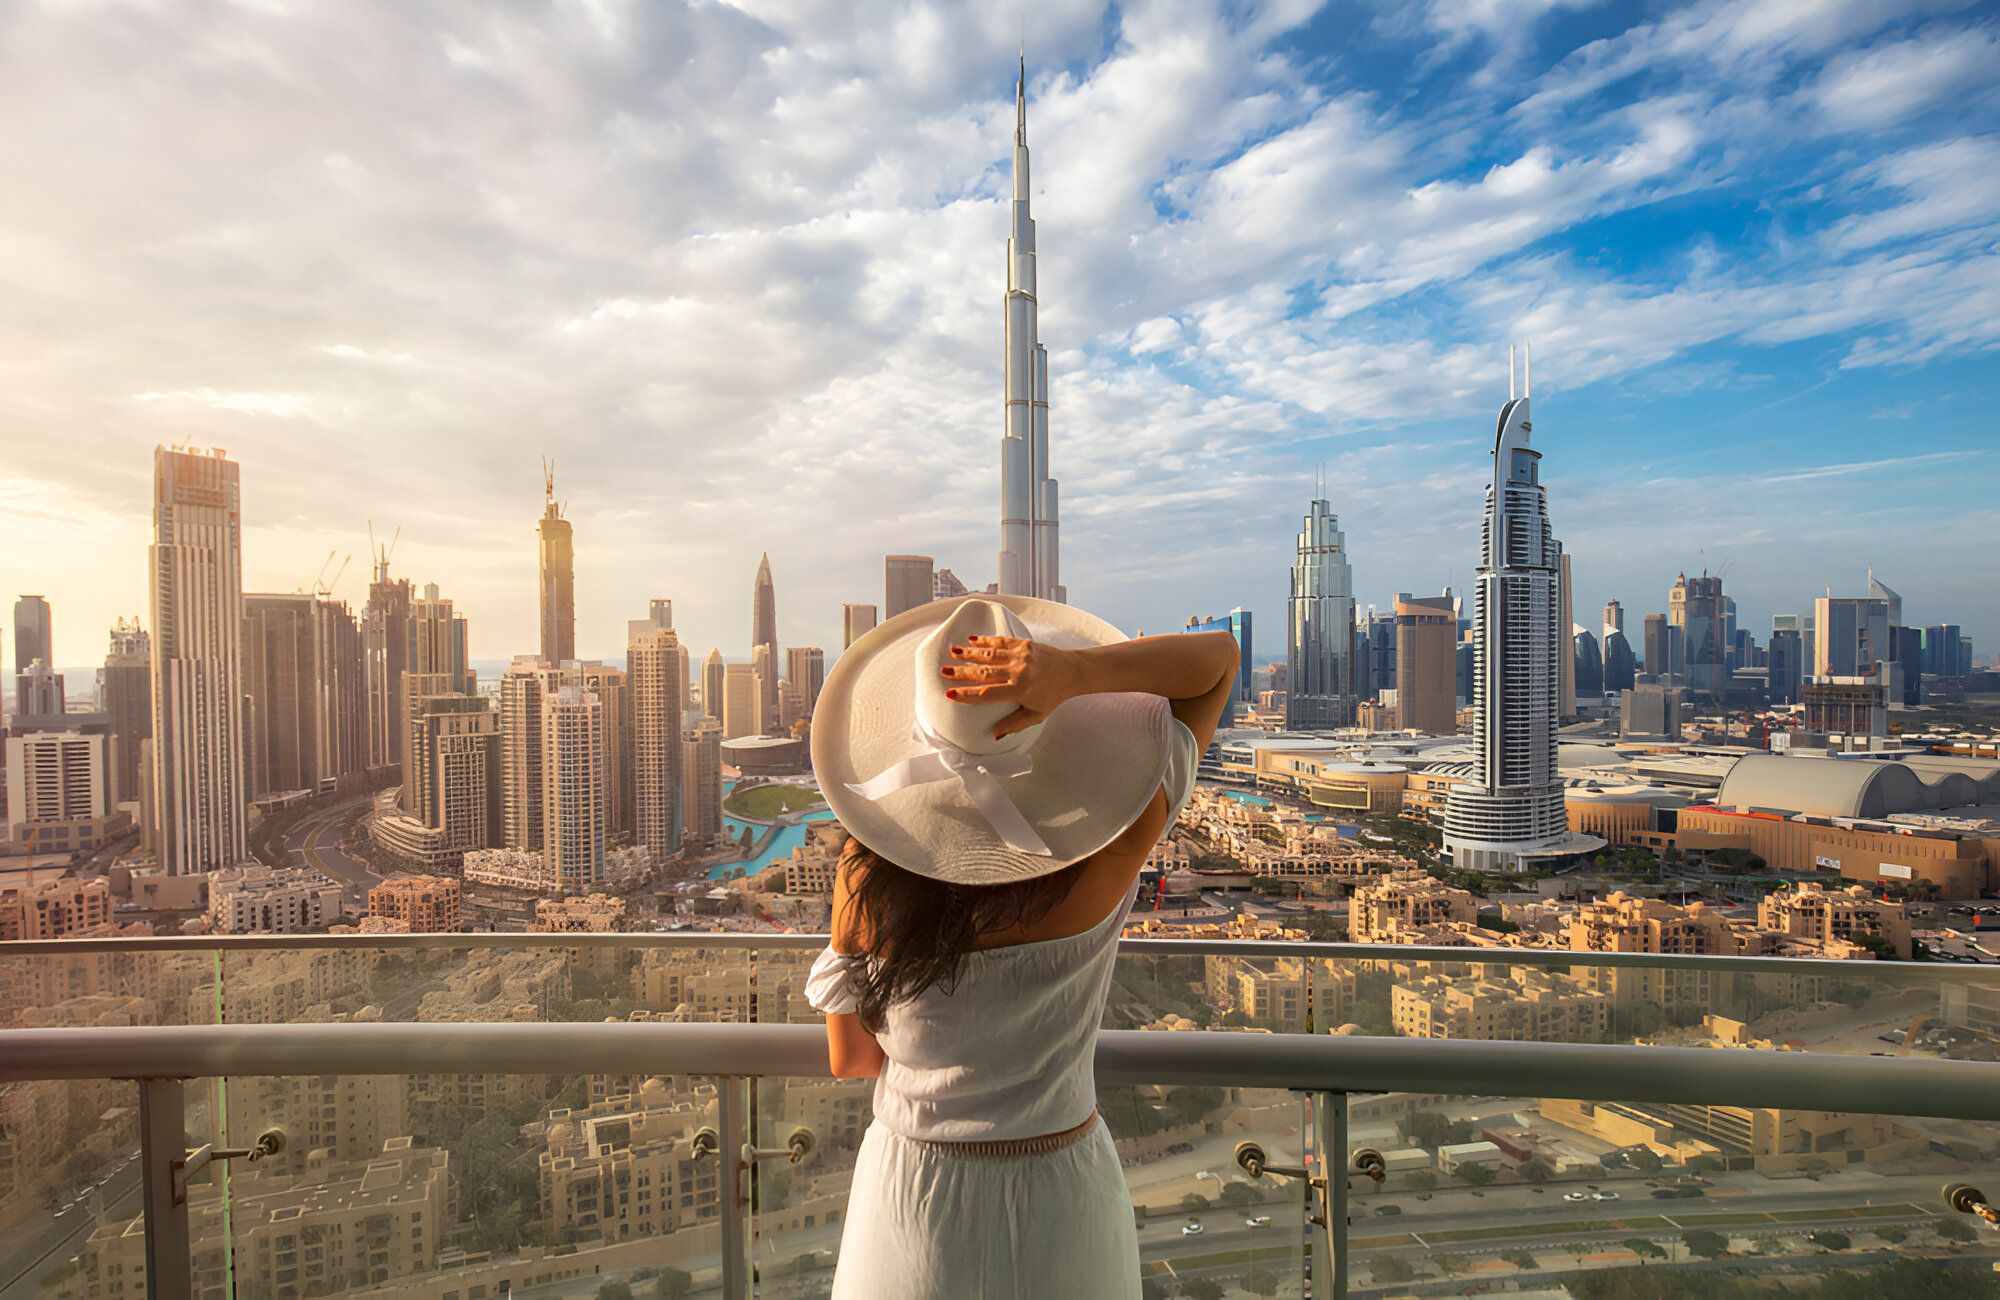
x: 1028, y: 543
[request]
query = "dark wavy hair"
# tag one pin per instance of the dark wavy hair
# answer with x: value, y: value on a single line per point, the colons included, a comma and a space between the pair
x: 917, y: 930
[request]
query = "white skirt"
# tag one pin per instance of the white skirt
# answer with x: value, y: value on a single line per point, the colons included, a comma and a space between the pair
x: 929, y: 1225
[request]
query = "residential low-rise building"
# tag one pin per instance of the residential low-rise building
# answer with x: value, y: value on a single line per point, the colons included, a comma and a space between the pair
x: 270, y: 900
x: 424, y: 904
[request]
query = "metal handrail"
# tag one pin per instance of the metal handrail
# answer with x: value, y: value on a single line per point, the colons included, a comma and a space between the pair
x: 1546, y: 958
x: 1319, y: 1063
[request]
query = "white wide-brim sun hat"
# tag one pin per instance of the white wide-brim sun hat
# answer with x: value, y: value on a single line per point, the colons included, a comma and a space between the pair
x: 919, y: 779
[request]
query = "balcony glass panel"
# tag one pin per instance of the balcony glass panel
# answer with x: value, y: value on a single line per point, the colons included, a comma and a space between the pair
x: 69, y: 1187
x: 1489, y: 1189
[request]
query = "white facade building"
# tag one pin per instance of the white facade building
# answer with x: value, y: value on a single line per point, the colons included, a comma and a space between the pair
x: 260, y: 900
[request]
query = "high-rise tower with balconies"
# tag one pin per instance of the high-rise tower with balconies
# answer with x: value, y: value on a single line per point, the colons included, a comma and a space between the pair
x: 196, y: 581
x: 1511, y: 809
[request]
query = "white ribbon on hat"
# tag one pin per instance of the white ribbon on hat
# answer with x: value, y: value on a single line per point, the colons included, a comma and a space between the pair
x: 980, y: 774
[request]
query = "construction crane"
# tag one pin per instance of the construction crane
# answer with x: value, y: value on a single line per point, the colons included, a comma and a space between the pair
x: 379, y: 555
x: 320, y: 587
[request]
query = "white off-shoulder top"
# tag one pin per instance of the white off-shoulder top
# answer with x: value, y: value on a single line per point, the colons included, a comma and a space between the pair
x: 1009, y: 1052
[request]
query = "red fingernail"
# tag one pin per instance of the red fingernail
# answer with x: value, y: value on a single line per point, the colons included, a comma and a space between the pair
x: 958, y: 651
x: 951, y: 695
x: 972, y: 638
x: 946, y: 670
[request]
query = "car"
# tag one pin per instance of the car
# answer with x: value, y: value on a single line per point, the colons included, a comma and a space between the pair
x: 1423, y: 1196
x: 1192, y: 1228
x: 1257, y: 1221
x: 1604, y: 1196
x: 1384, y: 1211
x: 1576, y: 1196
x: 1665, y: 1194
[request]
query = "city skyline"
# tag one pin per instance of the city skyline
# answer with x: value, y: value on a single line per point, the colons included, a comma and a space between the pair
x: 1607, y: 220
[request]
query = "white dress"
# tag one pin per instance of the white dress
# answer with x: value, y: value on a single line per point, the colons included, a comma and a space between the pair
x: 1008, y: 1053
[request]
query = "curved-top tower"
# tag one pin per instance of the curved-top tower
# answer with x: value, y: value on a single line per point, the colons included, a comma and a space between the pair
x: 1028, y: 527
x: 1512, y: 807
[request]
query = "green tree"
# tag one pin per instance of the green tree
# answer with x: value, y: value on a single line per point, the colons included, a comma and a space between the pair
x: 1475, y: 1175
x: 1954, y: 1230
x: 1643, y: 1248
x: 1828, y: 1239
x: 1703, y: 1165
x: 1427, y: 1128
x: 805, y: 1263
x: 1201, y: 1288
x: 1259, y: 1281
x: 672, y: 1284
x: 614, y: 1290
x: 1237, y: 1193
x: 1152, y: 1289
x: 1194, y: 1202
x: 1191, y: 1104
x: 1703, y: 1242
x: 1892, y: 1235
x: 1520, y: 1259
x: 1644, y: 1160
x: 1535, y: 1171
x: 1420, y: 1180
x: 1392, y: 1269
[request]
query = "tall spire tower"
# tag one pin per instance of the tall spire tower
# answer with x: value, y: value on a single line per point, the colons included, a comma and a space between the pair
x: 1028, y: 526
x: 558, y: 586
x: 764, y: 638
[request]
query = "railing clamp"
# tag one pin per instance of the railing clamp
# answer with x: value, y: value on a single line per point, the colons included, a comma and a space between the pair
x: 1967, y: 1199
x: 269, y: 1143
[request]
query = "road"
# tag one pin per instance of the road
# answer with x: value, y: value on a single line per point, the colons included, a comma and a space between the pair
x: 316, y: 842
x: 41, y: 1242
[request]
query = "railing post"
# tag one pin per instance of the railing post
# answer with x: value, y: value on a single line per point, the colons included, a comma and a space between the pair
x: 732, y: 1118
x: 1333, y: 1167
x: 162, y: 1146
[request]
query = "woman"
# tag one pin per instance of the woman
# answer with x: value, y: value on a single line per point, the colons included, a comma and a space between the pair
x: 1003, y: 766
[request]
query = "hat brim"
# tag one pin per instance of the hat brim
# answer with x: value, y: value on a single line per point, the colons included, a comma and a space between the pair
x: 1098, y: 760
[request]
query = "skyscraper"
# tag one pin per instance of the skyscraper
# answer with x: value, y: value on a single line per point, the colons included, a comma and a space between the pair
x: 1695, y: 606
x: 1784, y: 665
x: 1620, y: 674
x: 659, y: 614
x: 658, y: 694
x: 907, y: 582
x: 439, y: 641
x: 1028, y: 508
x: 1661, y: 637
x: 558, y: 575
x: 34, y: 633
x: 39, y: 692
x: 805, y: 667
x: 856, y: 621
x: 303, y: 687
x: 612, y: 687
x: 125, y: 695
x: 524, y: 690
x: 1565, y: 619
x: 1426, y: 639
x: 196, y: 592
x: 572, y: 754
x: 1512, y: 807
x: 452, y: 796
x: 739, y: 701
x: 712, y: 670
x: 701, y: 782
x: 764, y: 677
x: 1320, y: 626
x: 1614, y: 619
x: 385, y: 641
x: 1238, y: 624
x: 764, y: 637
x: 1589, y: 667
x: 1852, y: 636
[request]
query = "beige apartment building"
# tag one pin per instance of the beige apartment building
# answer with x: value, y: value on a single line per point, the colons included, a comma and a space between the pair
x: 336, y: 1228
x: 1524, y: 1005
x: 590, y: 913
x: 739, y: 701
x: 1824, y: 916
x: 424, y: 904
x: 1618, y: 923
x: 1397, y: 907
x: 54, y: 910
x: 1273, y: 994
x: 626, y: 1169
x: 701, y: 778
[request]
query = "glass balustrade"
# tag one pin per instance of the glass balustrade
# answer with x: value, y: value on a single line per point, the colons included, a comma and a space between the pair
x: 470, y: 1186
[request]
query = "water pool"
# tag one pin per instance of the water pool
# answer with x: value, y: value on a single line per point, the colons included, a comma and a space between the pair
x: 780, y: 847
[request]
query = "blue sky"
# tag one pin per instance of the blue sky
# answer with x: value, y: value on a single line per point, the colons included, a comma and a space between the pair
x: 739, y: 269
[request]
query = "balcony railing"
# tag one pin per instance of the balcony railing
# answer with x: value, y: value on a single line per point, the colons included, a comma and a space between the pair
x: 546, y: 1152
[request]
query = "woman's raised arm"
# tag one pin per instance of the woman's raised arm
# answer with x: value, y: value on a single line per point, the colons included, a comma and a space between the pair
x: 1195, y: 671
